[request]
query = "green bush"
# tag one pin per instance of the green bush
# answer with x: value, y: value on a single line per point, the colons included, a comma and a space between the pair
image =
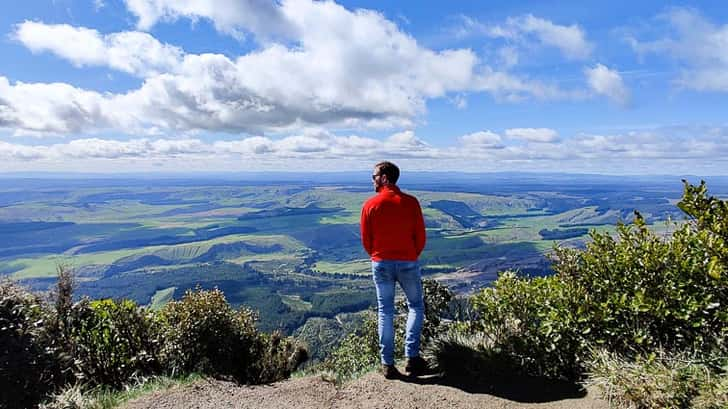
x: 359, y: 351
x: 630, y: 295
x: 643, y: 291
x: 29, y: 364
x: 539, y: 323
x: 277, y: 357
x: 45, y: 346
x: 203, y: 333
x: 112, y: 341
x: 437, y: 299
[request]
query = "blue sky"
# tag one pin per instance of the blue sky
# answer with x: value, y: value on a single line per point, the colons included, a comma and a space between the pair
x: 233, y: 85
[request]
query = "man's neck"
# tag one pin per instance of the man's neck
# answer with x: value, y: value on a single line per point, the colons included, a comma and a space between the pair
x: 388, y: 186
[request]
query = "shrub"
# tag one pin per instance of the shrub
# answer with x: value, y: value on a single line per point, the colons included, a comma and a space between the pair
x: 277, y: 358
x: 30, y: 364
x: 359, y: 351
x: 437, y: 299
x: 630, y: 295
x: 202, y: 333
x: 539, y: 323
x: 111, y: 341
x: 642, y: 291
x: 658, y: 381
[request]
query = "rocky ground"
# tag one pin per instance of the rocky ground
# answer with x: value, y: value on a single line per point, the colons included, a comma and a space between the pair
x: 373, y: 391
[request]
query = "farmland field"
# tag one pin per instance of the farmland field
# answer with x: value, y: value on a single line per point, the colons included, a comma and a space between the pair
x: 290, y: 248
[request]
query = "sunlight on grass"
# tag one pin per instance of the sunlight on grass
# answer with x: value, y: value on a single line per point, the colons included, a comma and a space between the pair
x: 362, y: 267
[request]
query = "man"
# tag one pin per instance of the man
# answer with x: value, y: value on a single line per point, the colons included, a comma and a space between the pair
x: 393, y: 233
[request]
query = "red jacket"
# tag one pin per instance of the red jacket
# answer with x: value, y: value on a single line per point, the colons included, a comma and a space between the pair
x: 392, y: 227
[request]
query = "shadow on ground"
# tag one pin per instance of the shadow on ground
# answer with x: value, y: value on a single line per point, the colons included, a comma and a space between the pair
x: 524, y: 389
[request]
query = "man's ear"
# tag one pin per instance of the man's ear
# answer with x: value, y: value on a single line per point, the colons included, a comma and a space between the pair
x: 384, y: 179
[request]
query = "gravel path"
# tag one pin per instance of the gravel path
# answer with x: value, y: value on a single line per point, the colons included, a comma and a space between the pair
x: 370, y: 392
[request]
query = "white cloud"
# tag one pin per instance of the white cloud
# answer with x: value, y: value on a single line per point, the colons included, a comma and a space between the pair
x: 407, y: 144
x: 49, y: 108
x: 571, y: 40
x: 544, y: 135
x: 348, y: 69
x: 254, y: 145
x: 262, y: 17
x: 21, y: 152
x: 132, y: 52
x: 607, y: 82
x: 696, y: 43
x: 679, y: 149
x: 338, y: 68
x: 481, y: 139
x: 526, y: 31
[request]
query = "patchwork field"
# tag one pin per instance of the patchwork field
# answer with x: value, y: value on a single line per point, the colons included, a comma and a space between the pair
x: 291, y: 248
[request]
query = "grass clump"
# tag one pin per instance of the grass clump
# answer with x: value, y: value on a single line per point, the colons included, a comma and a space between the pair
x: 80, y: 396
x: 659, y: 381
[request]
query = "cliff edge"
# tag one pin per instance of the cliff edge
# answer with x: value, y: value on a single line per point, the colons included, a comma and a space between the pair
x: 373, y: 391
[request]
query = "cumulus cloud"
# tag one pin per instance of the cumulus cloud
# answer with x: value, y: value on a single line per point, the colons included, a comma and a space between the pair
x: 696, y: 43
x: 607, y: 82
x: 48, y: 108
x: 368, y: 74
x: 136, y: 53
x: 336, y: 67
x: 544, y: 135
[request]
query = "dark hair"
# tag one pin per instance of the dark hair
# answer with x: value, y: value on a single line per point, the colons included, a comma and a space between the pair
x: 389, y: 169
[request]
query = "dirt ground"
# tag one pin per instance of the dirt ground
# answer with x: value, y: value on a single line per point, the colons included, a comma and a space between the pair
x: 373, y: 391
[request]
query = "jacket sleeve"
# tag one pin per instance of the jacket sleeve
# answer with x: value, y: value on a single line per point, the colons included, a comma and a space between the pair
x: 366, y: 231
x: 420, y: 233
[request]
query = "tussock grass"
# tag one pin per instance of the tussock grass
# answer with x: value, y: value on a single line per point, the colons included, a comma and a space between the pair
x: 659, y: 381
x: 462, y: 355
x: 79, y: 396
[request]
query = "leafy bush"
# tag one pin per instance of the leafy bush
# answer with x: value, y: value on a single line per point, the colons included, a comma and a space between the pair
x: 642, y: 291
x: 202, y: 333
x: 29, y: 366
x: 277, y: 358
x: 630, y: 295
x: 437, y: 298
x: 359, y: 351
x: 539, y: 323
x: 111, y: 341
x: 45, y: 346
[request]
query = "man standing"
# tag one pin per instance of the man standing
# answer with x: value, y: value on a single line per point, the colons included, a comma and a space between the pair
x: 393, y: 233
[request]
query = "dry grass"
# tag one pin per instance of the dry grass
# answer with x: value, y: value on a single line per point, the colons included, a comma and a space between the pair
x: 660, y: 381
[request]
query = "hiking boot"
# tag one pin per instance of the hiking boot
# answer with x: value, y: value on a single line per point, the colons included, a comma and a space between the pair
x: 416, y: 366
x: 390, y: 372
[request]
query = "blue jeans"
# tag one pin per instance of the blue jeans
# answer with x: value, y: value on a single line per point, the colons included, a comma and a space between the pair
x: 407, y: 274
